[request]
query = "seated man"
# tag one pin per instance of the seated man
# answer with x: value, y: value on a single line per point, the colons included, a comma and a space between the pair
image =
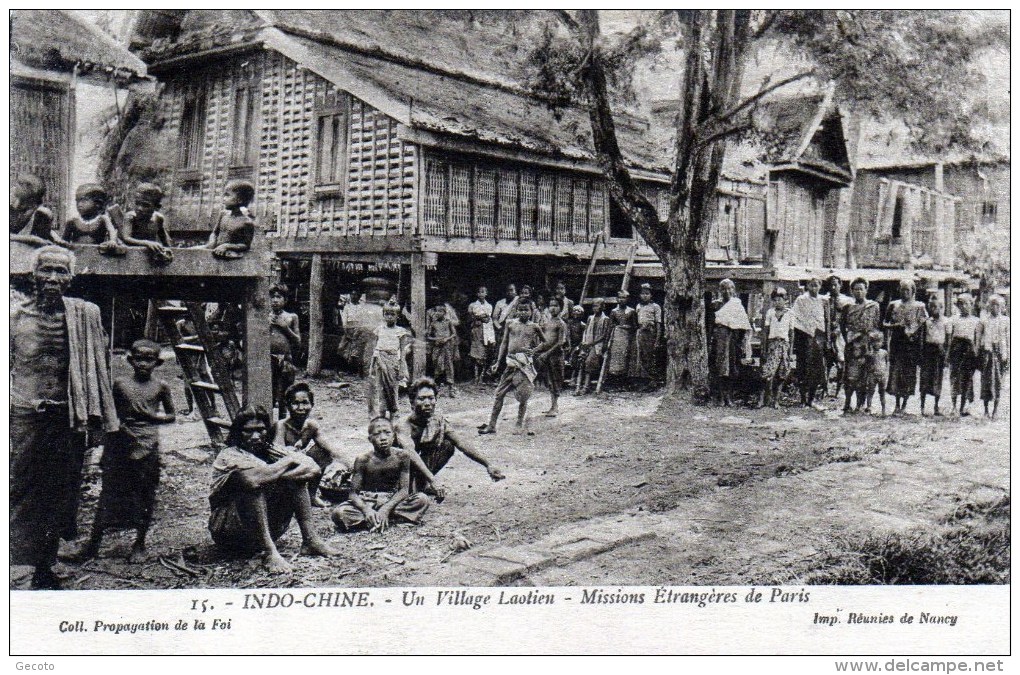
x: 30, y: 222
x: 433, y: 440
x: 380, y: 485
x: 256, y: 490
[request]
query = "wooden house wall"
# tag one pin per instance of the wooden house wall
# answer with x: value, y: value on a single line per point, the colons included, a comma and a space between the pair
x: 736, y: 232
x: 41, y: 119
x: 798, y: 215
x: 377, y: 196
x: 488, y: 199
x: 930, y: 234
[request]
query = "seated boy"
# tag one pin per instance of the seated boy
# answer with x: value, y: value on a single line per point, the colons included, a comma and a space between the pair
x: 30, y: 221
x: 130, y: 460
x: 380, y: 485
x: 146, y: 226
x: 298, y: 433
x: 92, y: 226
x: 255, y: 493
x: 234, y: 231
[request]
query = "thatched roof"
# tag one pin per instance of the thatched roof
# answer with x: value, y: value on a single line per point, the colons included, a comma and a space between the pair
x: 454, y: 73
x: 57, y: 40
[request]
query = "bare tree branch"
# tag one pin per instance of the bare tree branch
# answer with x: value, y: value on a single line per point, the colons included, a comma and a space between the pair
x: 723, y: 133
x: 762, y: 93
x: 766, y: 23
x: 564, y: 17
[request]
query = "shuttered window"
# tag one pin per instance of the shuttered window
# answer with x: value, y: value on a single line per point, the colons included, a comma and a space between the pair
x: 331, y: 146
x: 242, y: 148
x: 193, y: 118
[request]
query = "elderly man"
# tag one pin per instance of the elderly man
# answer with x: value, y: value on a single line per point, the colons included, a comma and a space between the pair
x: 60, y: 385
x: 433, y: 440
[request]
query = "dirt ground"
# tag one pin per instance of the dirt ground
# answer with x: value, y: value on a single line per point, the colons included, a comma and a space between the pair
x: 765, y: 470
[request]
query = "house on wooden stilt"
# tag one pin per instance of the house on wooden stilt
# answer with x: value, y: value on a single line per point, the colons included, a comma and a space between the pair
x: 387, y: 145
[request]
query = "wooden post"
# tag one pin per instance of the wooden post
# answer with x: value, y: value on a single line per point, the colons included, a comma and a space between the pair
x: 316, y: 316
x: 258, y: 374
x: 418, y: 313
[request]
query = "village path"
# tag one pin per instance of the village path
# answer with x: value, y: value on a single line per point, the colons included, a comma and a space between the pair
x: 675, y: 494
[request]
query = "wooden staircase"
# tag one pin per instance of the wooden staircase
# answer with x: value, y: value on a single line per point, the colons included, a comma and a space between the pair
x: 205, y: 372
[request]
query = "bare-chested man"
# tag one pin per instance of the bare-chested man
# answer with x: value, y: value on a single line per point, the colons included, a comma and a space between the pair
x: 257, y: 489
x: 433, y: 440
x: 520, y: 341
x: 380, y: 486
x: 53, y: 399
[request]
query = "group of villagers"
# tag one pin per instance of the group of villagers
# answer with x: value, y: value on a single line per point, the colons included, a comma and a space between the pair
x: 904, y: 352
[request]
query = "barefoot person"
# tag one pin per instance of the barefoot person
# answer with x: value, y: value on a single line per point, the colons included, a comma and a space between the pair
x: 59, y: 383
x: 810, y: 334
x: 858, y: 320
x: 778, y: 336
x: 994, y: 353
x: 593, y: 346
x: 284, y: 343
x: 903, y: 321
x: 934, y: 341
x: 255, y: 492
x: 387, y: 371
x: 731, y: 341
x: 550, y: 354
x: 131, y: 462
x: 380, y: 485
x: 298, y: 432
x: 520, y: 341
x: 964, y: 342
x: 433, y: 440
x: 483, y: 334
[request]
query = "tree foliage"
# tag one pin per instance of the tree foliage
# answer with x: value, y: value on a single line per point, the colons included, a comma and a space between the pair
x: 916, y: 66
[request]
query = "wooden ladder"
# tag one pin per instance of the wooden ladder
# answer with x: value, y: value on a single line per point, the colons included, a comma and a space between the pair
x: 200, y: 362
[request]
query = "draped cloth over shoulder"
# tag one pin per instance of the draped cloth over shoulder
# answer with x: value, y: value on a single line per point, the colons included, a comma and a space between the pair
x: 90, y: 394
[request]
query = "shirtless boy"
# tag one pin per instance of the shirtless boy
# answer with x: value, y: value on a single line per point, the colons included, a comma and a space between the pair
x: 520, y: 341
x: 380, y: 486
x: 550, y: 354
x: 130, y: 463
x: 146, y: 226
x: 298, y: 432
x: 235, y: 229
x: 30, y: 221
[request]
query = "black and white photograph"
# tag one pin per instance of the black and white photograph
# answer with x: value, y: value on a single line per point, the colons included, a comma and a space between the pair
x: 566, y: 307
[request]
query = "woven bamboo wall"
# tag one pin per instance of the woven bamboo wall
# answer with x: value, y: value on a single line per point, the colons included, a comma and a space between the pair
x: 492, y: 200
x: 378, y: 194
x: 40, y: 143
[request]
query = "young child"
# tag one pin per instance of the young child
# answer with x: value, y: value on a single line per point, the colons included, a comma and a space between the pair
x: 442, y: 338
x: 483, y: 335
x: 517, y: 350
x: 778, y: 345
x: 550, y: 354
x: 30, y: 221
x: 593, y: 344
x: 146, y: 226
x: 934, y: 342
x: 879, y: 367
x: 380, y: 485
x: 130, y: 462
x: 92, y: 226
x: 963, y: 353
x: 388, y: 369
x: 299, y: 433
x: 575, y: 333
x: 234, y: 231
x: 994, y: 353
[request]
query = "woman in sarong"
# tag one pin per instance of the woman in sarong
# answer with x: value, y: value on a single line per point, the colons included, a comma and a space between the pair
x: 964, y: 340
x: 858, y: 319
x: 903, y: 320
x: 731, y: 341
x: 934, y: 341
x: 623, y: 320
x: 810, y: 335
x: 994, y: 353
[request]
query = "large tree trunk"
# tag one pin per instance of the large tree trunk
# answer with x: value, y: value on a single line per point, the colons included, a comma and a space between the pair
x: 684, y: 319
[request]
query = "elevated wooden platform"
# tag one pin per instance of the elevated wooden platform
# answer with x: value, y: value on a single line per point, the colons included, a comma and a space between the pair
x: 194, y: 275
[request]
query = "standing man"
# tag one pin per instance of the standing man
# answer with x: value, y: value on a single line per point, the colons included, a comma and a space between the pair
x: 502, y: 311
x: 649, y: 336
x: 521, y: 340
x: 60, y: 383
x: 810, y: 334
